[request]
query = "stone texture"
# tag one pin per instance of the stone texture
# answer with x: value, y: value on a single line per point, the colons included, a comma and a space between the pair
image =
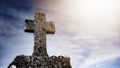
x: 41, y: 62
x: 40, y: 58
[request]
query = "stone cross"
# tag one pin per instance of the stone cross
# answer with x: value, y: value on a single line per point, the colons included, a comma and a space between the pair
x: 40, y: 28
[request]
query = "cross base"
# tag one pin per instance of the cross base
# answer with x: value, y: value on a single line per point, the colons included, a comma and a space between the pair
x: 37, y: 54
x: 41, y: 62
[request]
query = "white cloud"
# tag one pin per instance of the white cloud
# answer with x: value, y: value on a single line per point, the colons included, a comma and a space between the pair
x: 86, y: 30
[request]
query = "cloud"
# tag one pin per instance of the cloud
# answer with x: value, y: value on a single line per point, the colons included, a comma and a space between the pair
x: 12, y: 36
x: 87, y: 36
x: 87, y: 31
x: 114, y: 63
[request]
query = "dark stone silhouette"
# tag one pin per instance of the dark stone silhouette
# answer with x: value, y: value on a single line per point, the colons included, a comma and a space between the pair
x: 40, y: 58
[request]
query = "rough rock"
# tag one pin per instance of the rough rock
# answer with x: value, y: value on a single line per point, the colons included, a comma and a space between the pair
x: 41, y: 62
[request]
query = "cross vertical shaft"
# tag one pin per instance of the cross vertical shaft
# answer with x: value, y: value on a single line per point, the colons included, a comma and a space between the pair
x: 40, y: 35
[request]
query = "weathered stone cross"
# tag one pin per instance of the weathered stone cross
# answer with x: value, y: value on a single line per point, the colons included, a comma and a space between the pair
x: 40, y: 28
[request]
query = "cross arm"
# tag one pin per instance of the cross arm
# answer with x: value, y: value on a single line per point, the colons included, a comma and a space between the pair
x: 29, y: 25
x: 50, y: 27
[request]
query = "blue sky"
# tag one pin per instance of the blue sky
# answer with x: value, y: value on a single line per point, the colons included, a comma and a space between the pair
x: 87, y: 31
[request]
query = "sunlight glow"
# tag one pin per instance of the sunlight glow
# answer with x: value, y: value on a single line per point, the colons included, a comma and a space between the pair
x: 92, y: 7
x: 95, y: 14
x: 90, y: 26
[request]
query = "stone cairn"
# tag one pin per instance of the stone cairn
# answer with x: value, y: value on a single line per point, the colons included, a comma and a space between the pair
x: 40, y: 58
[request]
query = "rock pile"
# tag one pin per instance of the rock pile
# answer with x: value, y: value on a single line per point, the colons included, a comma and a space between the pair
x: 40, y: 62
